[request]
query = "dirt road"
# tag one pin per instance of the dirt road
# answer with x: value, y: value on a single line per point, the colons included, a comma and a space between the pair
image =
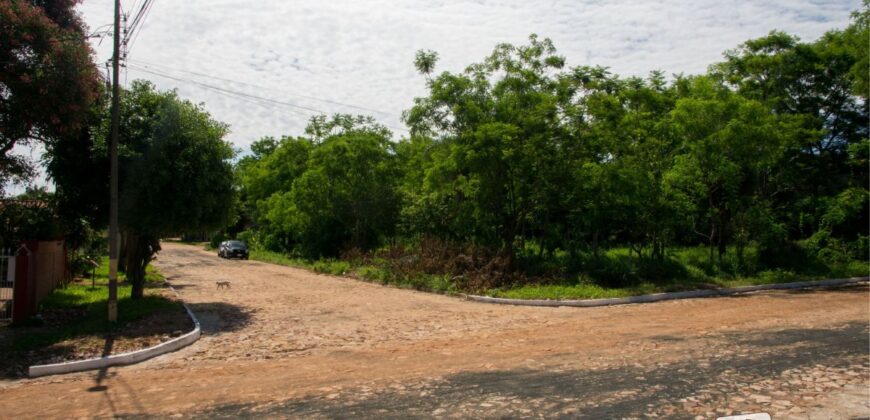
x: 283, y: 342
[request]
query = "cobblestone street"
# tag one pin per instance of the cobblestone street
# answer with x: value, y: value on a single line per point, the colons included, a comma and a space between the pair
x: 283, y: 342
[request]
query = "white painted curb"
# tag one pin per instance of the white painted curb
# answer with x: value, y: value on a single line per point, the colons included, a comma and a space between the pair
x: 123, y: 358
x: 588, y: 303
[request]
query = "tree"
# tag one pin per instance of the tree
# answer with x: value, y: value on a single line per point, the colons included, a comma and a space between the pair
x: 425, y: 61
x: 177, y: 175
x: 823, y: 86
x: 29, y: 216
x: 346, y: 197
x: 275, y: 168
x: 729, y: 145
x: 500, y: 121
x: 48, y: 80
x: 629, y: 146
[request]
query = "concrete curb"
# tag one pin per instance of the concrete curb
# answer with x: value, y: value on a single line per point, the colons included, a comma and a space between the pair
x: 123, y: 358
x: 589, y: 303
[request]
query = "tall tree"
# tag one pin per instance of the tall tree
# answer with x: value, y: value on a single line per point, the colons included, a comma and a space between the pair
x: 823, y: 85
x: 48, y: 80
x: 729, y: 145
x: 500, y: 120
x: 346, y: 197
x: 177, y: 177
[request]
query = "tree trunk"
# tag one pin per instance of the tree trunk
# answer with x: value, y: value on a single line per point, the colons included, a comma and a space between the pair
x: 710, y: 242
x: 140, y: 251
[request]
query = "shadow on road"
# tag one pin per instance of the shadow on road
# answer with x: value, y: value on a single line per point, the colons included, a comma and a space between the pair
x: 627, y: 391
x: 221, y: 317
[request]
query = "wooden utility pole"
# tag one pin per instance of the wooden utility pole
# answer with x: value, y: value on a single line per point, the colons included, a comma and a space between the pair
x: 113, y: 172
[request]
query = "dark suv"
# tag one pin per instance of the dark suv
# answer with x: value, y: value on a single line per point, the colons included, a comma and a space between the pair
x: 233, y: 249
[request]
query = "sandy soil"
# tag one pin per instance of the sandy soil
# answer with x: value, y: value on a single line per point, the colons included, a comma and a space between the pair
x: 283, y: 342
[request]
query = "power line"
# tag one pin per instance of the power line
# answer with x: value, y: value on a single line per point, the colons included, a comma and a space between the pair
x: 231, y: 92
x: 136, y: 20
x: 147, y: 64
x: 135, y: 5
x: 131, y: 32
x: 260, y: 100
x: 136, y: 30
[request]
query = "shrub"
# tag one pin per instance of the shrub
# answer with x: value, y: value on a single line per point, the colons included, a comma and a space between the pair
x: 334, y: 267
x: 216, y: 240
x: 250, y: 238
x: 695, y: 273
x: 369, y: 272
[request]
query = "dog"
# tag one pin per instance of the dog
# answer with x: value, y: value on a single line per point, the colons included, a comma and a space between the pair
x: 224, y: 284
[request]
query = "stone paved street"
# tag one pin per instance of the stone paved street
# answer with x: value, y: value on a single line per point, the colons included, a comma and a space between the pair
x: 287, y: 343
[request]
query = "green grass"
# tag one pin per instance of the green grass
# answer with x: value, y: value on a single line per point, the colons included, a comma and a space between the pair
x: 280, y: 259
x: 685, y: 269
x: 615, y: 273
x: 580, y: 291
x: 375, y: 271
x: 324, y: 266
x: 88, y: 308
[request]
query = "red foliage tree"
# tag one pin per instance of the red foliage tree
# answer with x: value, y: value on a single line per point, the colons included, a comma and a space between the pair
x: 48, y: 79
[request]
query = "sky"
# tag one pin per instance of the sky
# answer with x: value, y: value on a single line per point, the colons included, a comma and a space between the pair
x: 266, y: 67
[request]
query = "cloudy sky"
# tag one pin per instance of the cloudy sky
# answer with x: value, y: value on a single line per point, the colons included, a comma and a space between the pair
x: 306, y: 57
x: 265, y: 67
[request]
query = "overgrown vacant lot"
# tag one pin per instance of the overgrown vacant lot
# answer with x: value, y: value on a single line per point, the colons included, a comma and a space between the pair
x: 72, y: 324
x: 613, y: 273
x: 284, y: 342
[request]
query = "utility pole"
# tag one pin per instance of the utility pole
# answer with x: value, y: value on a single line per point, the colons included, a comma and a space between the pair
x: 113, y: 172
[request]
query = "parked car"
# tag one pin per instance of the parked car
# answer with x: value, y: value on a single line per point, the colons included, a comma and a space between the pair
x: 233, y: 249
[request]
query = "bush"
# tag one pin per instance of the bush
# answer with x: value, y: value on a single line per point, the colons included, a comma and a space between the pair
x: 788, y: 255
x: 216, y: 240
x: 777, y: 276
x: 695, y: 273
x: 250, y: 238
x: 334, y: 267
x: 369, y: 272
x: 656, y: 270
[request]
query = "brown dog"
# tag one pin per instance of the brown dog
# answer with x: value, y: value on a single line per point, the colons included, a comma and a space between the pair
x: 224, y: 284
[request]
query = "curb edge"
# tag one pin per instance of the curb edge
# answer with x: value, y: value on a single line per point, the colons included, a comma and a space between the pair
x: 657, y: 297
x: 123, y: 359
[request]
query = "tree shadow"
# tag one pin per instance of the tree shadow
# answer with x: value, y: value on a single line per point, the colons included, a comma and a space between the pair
x: 221, y: 317
x: 851, y: 334
x: 614, y: 392
x: 182, y: 286
x: 796, y: 293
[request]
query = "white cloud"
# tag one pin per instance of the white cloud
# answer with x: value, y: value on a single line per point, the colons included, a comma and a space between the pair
x: 361, y: 52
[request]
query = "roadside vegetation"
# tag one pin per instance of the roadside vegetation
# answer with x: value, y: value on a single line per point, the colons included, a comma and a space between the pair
x: 525, y: 177
x: 521, y: 173
x: 72, y: 322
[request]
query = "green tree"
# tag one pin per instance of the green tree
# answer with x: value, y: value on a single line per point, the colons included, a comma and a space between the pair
x: 346, y: 197
x: 274, y: 168
x: 177, y: 175
x: 823, y: 86
x: 500, y: 122
x: 629, y: 147
x: 730, y: 143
